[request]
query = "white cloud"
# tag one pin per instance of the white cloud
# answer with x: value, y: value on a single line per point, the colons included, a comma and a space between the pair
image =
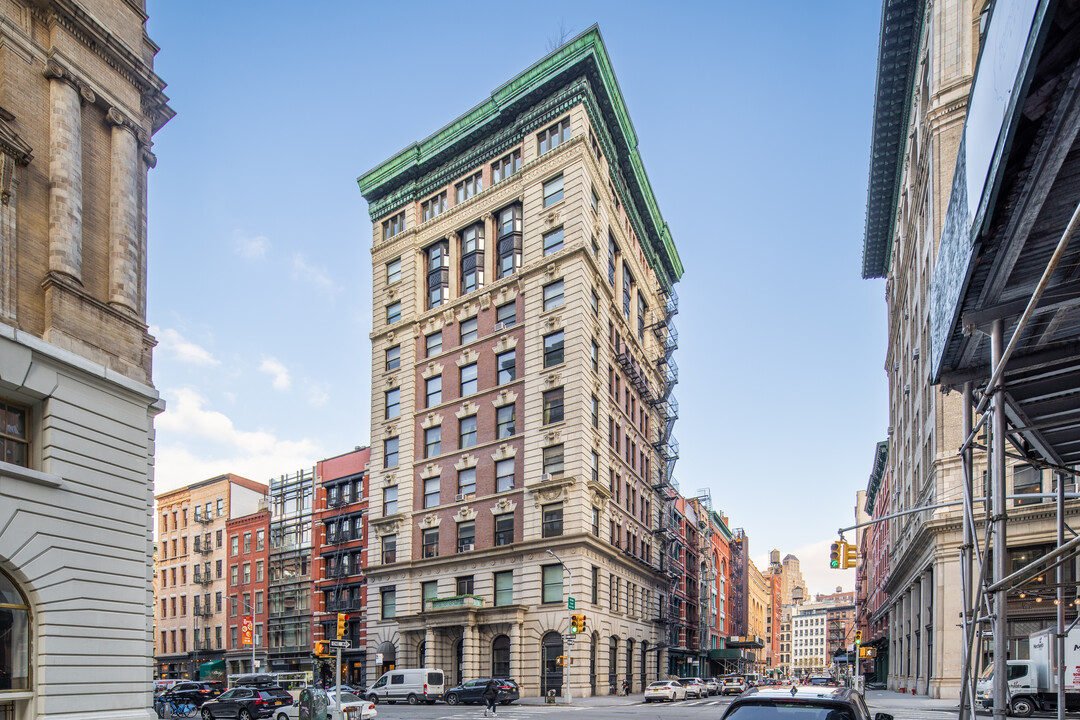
x: 318, y: 394
x: 277, y: 371
x: 185, y: 351
x: 195, y: 443
x: 251, y: 248
x: 317, y: 276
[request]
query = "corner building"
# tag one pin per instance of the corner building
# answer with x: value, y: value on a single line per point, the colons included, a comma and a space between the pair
x: 521, y: 389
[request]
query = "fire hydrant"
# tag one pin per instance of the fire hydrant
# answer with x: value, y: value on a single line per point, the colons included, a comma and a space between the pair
x: 550, y: 697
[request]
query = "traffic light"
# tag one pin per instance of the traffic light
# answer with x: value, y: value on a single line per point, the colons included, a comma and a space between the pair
x: 851, y: 556
x: 577, y: 623
x: 858, y: 637
x: 342, y: 620
x: 836, y: 554
x: 320, y: 648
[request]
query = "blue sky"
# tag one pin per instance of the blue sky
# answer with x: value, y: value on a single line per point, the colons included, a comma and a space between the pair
x: 754, y: 124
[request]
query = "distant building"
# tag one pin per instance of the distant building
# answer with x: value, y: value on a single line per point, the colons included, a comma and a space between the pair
x: 249, y: 591
x: 289, y: 623
x: 80, y: 104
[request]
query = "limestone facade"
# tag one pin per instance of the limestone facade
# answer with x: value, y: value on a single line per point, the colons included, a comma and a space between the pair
x: 79, y: 102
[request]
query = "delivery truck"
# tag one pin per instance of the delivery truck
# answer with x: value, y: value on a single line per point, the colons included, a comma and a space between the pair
x: 1033, y: 683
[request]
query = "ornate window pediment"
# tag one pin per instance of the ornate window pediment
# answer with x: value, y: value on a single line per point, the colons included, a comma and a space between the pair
x: 504, y: 505
x: 432, y: 370
x: 467, y: 461
x: 429, y: 521
x: 504, y: 452
x: 505, y: 397
x: 431, y: 420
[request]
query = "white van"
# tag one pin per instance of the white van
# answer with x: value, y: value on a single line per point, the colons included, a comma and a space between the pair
x: 420, y: 685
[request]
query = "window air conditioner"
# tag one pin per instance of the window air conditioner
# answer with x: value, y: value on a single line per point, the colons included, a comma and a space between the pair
x: 499, y: 327
x: 459, y: 497
x: 545, y: 477
x: 467, y: 548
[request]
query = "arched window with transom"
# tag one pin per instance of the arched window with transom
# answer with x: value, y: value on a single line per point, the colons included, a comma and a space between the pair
x: 14, y: 638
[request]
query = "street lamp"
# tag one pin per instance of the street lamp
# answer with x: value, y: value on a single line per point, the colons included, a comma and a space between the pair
x: 569, y: 620
x: 248, y: 608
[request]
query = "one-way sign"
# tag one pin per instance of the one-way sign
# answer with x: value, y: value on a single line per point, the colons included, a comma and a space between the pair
x: 343, y: 644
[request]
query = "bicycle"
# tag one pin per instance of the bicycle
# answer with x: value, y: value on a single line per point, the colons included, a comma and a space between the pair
x: 177, y: 707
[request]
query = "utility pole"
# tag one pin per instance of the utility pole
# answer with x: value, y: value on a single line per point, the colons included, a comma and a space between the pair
x: 569, y: 621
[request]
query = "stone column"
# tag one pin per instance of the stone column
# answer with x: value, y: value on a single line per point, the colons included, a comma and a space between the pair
x: 926, y: 594
x: 516, y: 666
x: 65, y: 171
x: 430, y: 658
x: 13, y: 153
x: 124, y: 245
x: 149, y: 160
x: 469, y: 652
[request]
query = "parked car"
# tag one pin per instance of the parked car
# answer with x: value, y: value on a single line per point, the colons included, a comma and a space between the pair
x: 712, y: 685
x: 732, y: 685
x: 694, y: 686
x: 669, y: 690
x: 414, y: 685
x: 194, y: 692
x: 800, y: 703
x: 161, y: 686
x: 353, y: 706
x: 247, y: 703
x: 472, y: 691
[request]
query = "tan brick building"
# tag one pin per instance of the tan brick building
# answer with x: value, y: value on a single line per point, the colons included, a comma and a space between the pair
x: 79, y: 102
x: 522, y: 289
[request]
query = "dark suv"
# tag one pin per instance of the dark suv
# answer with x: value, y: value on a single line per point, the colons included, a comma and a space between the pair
x: 247, y: 703
x: 800, y: 703
x: 193, y: 692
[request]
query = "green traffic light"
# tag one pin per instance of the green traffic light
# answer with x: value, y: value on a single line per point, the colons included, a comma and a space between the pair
x: 834, y: 564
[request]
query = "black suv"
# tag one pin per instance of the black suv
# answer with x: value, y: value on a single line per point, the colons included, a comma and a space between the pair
x: 193, y: 692
x: 247, y: 703
x: 800, y: 703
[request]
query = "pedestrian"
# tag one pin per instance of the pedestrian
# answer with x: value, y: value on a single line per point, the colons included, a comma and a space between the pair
x: 491, y: 695
x: 625, y: 687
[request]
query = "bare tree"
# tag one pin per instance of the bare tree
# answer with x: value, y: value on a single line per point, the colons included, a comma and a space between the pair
x: 564, y: 35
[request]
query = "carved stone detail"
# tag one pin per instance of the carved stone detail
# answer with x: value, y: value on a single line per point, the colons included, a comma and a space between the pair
x: 504, y: 452
x: 464, y: 514
x: 467, y: 408
x: 468, y: 357
x: 430, y: 470
x: 504, y: 505
x: 466, y: 461
x: 431, y: 420
x: 505, y: 397
x: 506, y: 342
x: 432, y: 370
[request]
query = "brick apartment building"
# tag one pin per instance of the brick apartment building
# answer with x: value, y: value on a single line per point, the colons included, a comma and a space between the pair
x: 523, y: 288
x: 249, y: 590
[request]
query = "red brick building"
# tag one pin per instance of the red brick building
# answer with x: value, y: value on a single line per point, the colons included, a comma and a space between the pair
x: 339, y: 539
x: 248, y: 554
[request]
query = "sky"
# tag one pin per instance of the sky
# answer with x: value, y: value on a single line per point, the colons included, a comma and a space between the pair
x: 753, y: 121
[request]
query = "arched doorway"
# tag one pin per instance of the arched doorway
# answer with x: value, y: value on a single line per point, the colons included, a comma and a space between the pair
x: 644, y: 659
x: 594, y: 641
x: 15, y: 636
x: 421, y: 654
x: 613, y: 666
x: 459, y: 662
x: 385, y: 659
x: 551, y: 674
x: 500, y: 657
x: 629, y: 665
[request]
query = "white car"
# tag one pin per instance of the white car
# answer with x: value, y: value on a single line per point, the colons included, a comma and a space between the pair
x: 712, y: 685
x: 353, y: 707
x: 694, y: 686
x: 661, y: 690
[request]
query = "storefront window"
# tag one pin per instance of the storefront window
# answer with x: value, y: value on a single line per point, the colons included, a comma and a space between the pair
x: 14, y: 638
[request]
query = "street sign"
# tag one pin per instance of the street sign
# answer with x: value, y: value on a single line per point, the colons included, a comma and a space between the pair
x: 343, y: 644
x: 570, y: 604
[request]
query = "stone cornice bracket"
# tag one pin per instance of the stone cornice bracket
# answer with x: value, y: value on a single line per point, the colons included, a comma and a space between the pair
x: 55, y: 71
x: 10, y: 143
x: 8, y: 181
x: 115, y: 118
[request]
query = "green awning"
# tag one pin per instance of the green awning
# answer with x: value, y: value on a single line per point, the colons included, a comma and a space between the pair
x: 213, y: 670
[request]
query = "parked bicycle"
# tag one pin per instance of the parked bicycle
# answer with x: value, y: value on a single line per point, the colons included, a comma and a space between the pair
x: 177, y: 708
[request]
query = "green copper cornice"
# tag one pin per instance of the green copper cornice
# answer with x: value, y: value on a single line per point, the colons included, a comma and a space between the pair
x: 506, y: 115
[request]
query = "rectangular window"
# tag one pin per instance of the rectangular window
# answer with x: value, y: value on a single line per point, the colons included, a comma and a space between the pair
x: 594, y: 356
x: 433, y: 391
x: 390, y: 500
x: 468, y: 187
x: 504, y: 529
x: 553, y: 295
x: 552, y: 581
x: 553, y: 349
x: 466, y: 481
x: 627, y: 284
x: 393, y: 271
x: 553, y: 191
x: 504, y: 422
x: 553, y: 459
x: 393, y: 226
x: 393, y: 357
x: 390, y: 452
x: 595, y: 411
x: 467, y: 432
x: 388, y: 604
x: 434, y: 207
x: 507, y: 366
x: 506, y: 314
x: 433, y: 441
x: 1027, y: 480
x: 393, y: 312
x: 642, y: 312
x: 468, y: 379
x: 596, y: 523
x: 594, y: 199
x: 613, y: 252
x: 438, y: 273
x: 393, y: 403
x: 553, y: 136
x: 431, y: 492
x: 430, y: 544
x: 429, y: 591
x: 504, y: 588
x: 504, y: 475
x: 594, y: 466
x: 595, y: 585
x: 433, y: 343
x: 247, y: 542
x: 553, y: 242
x: 553, y: 406
x: 552, y: 525
x: 389, y: 549
x: 509, y: 241
x: 466, y: 540
x: 504, y: 167
x: 14, y: 435
x: 468, y: 330
x: 472, y: 258
x: 234, y: 545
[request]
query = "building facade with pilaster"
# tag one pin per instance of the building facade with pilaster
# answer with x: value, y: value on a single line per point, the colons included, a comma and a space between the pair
x: 522, y: 410
x: 79, y: 103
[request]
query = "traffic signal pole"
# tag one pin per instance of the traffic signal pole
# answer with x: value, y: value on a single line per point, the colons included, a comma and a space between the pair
x: 569, y: 621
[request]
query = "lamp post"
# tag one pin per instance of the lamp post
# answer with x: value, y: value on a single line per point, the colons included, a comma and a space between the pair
x: 569, y: 620
x: 249, y: 609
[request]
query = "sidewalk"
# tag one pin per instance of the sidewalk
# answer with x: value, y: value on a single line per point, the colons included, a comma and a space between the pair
x: 891, y: 700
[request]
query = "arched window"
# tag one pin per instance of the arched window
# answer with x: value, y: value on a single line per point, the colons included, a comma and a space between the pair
x: 613, y: 666
x: 551, y: 647
x: 14, y: 637
x: 500, y: 657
